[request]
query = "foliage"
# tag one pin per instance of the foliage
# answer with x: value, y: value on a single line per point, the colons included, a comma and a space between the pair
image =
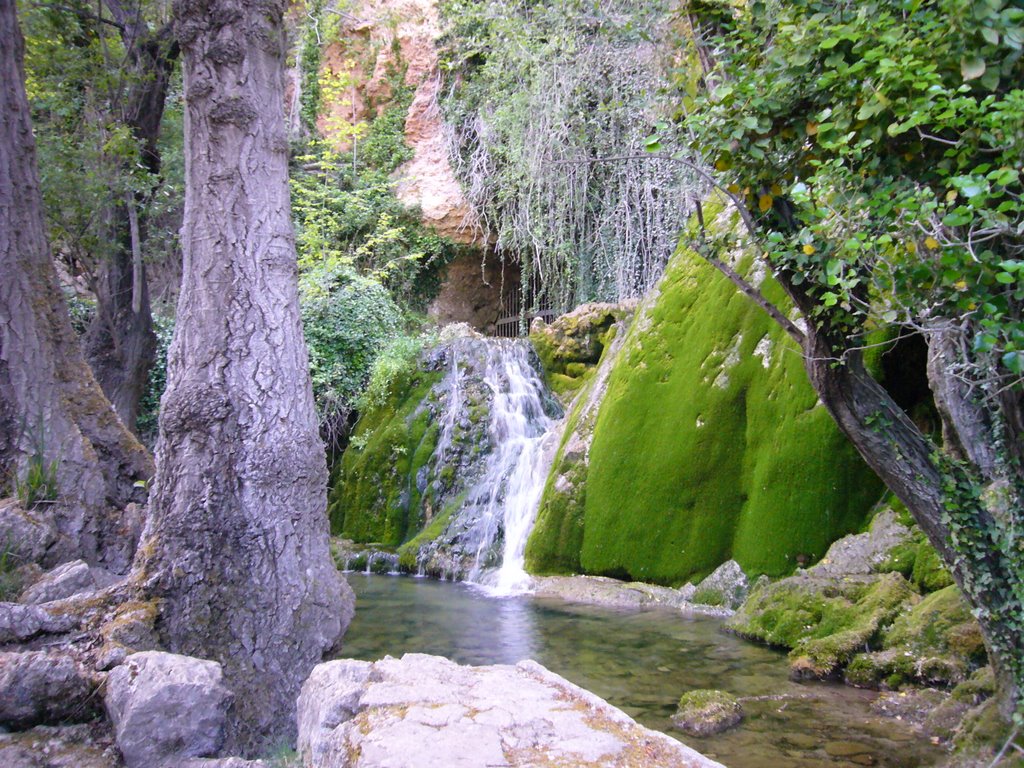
x: 876, y: 148
x: 880, y: 145
x: 146, y: 423
x: 347, y: 320
x: 396, y: 362
x: 38, y: 484
x: 78, y: 77
x: 541, y: 94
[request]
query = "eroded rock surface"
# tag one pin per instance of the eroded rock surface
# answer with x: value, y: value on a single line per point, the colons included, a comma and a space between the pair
x: 65, y: 581
x: 166, y: 708
x: 27, y: 535
x: 424, y: 711
x: 49, y: 688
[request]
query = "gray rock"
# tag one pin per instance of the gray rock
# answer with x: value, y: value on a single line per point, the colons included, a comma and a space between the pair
x: 67, y: 580
x: 166, y: 708
x: 427, y: 712
x: 39, y: 687
x: 26, y: 535
x: 23, y: 622
x: 727, y: 586
x: 230, y: 762
x: 862, y: 553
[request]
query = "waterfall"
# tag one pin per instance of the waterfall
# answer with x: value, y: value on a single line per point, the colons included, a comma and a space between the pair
x: 477, y: 494
x: 508, y: 493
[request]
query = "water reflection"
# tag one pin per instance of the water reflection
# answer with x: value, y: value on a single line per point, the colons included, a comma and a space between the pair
x: 640, y: 661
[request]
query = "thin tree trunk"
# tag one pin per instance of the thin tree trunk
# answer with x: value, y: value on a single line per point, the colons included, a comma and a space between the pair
x: 120, y: 343
x: 237, y: 544
x: 55, y: 412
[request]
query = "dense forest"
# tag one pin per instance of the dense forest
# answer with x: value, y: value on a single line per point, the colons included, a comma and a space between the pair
x: 768, y: 257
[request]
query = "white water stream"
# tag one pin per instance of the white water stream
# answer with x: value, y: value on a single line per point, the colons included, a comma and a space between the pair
x: 509, y: 492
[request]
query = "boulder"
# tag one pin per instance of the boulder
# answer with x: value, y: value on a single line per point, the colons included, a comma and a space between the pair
x: 25, y: 535
x: 40, y: 687
x: 425, y: 711
x: 19, y: 623
x: 863, y: 553
x: 707, y: 712
x: 166, y: 708
x: 727, y: 587
x: 65, y: 581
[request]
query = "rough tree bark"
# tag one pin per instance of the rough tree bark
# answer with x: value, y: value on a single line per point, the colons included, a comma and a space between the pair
x: 52, y: 409
x: 120, y: 343
x: 236, y: 547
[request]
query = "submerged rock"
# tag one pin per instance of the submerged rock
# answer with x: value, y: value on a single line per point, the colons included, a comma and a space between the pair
x: 166, y: 708
x: 707, y: 712
x: 425, y: 712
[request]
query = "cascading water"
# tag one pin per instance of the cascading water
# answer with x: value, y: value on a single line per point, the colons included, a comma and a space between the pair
x: 496, y: 467
x: 510, y: 489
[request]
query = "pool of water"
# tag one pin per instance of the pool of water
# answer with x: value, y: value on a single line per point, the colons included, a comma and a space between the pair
x: 640, y: 661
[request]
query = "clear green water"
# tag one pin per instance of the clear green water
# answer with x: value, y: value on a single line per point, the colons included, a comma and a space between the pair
x: 640, y: 661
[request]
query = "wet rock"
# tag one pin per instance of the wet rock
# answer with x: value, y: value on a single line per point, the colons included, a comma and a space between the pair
x: 230, y: 762
x: 27, y: 535
x: 707, y: 712
x: 425, y: 711
x: 848, y: 749
x: 39, y: 687
x: 601, y: 590
x: 166, y: 708
x: 727, y: 587
x: 65, y: 581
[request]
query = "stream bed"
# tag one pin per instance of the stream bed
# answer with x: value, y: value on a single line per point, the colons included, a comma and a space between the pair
x: 640, y: 661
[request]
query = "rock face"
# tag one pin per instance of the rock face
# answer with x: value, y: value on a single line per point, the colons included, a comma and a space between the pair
x: 166, y: 708
x: 380, y: 37
x: 427, y: 712
x: 39, y: 687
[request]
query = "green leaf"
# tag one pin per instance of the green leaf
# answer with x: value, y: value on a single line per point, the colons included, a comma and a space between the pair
x: 1014, y: 361
x: 1005, y: 278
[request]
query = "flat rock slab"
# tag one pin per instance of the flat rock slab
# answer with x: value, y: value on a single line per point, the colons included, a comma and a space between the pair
x: 611, y: 593
x: 428, y: 712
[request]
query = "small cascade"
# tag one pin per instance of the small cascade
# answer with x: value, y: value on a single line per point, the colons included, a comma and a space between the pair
x: 507, y: 495
x: 494, y: 415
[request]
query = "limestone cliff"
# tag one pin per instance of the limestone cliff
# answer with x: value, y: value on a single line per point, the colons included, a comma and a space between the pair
x: 375, y: 41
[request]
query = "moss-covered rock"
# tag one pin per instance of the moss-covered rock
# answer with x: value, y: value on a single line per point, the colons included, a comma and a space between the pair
x: 571, y: 345
x: 929, y: 574
x: 824, y: 622
x: 707, y: 712
x: 710, y: 443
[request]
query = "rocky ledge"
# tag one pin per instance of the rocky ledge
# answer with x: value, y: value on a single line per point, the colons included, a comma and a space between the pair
x: 423, y: 711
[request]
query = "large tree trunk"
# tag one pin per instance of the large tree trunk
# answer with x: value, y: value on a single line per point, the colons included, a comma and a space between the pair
x: 55, y: 412
x: 237, y: 544
x: 120, y: 343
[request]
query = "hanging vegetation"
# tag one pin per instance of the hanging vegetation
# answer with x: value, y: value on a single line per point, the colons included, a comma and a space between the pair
x: 549, y: 105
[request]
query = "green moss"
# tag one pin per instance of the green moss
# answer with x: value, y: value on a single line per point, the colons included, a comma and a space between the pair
x: 984, y: 727
x: 701, y: 453
x: 408, y: 552
x: 374, y: 497
x: 929, y: 574
x: 708, y: 596
x: 941, y: 624
x: 824, y: 623
x: 978, y: 687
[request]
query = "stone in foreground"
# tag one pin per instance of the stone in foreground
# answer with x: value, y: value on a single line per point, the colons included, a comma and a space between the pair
x: 428, y: 712
x: 707, y: 712
x: 166, y: 708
